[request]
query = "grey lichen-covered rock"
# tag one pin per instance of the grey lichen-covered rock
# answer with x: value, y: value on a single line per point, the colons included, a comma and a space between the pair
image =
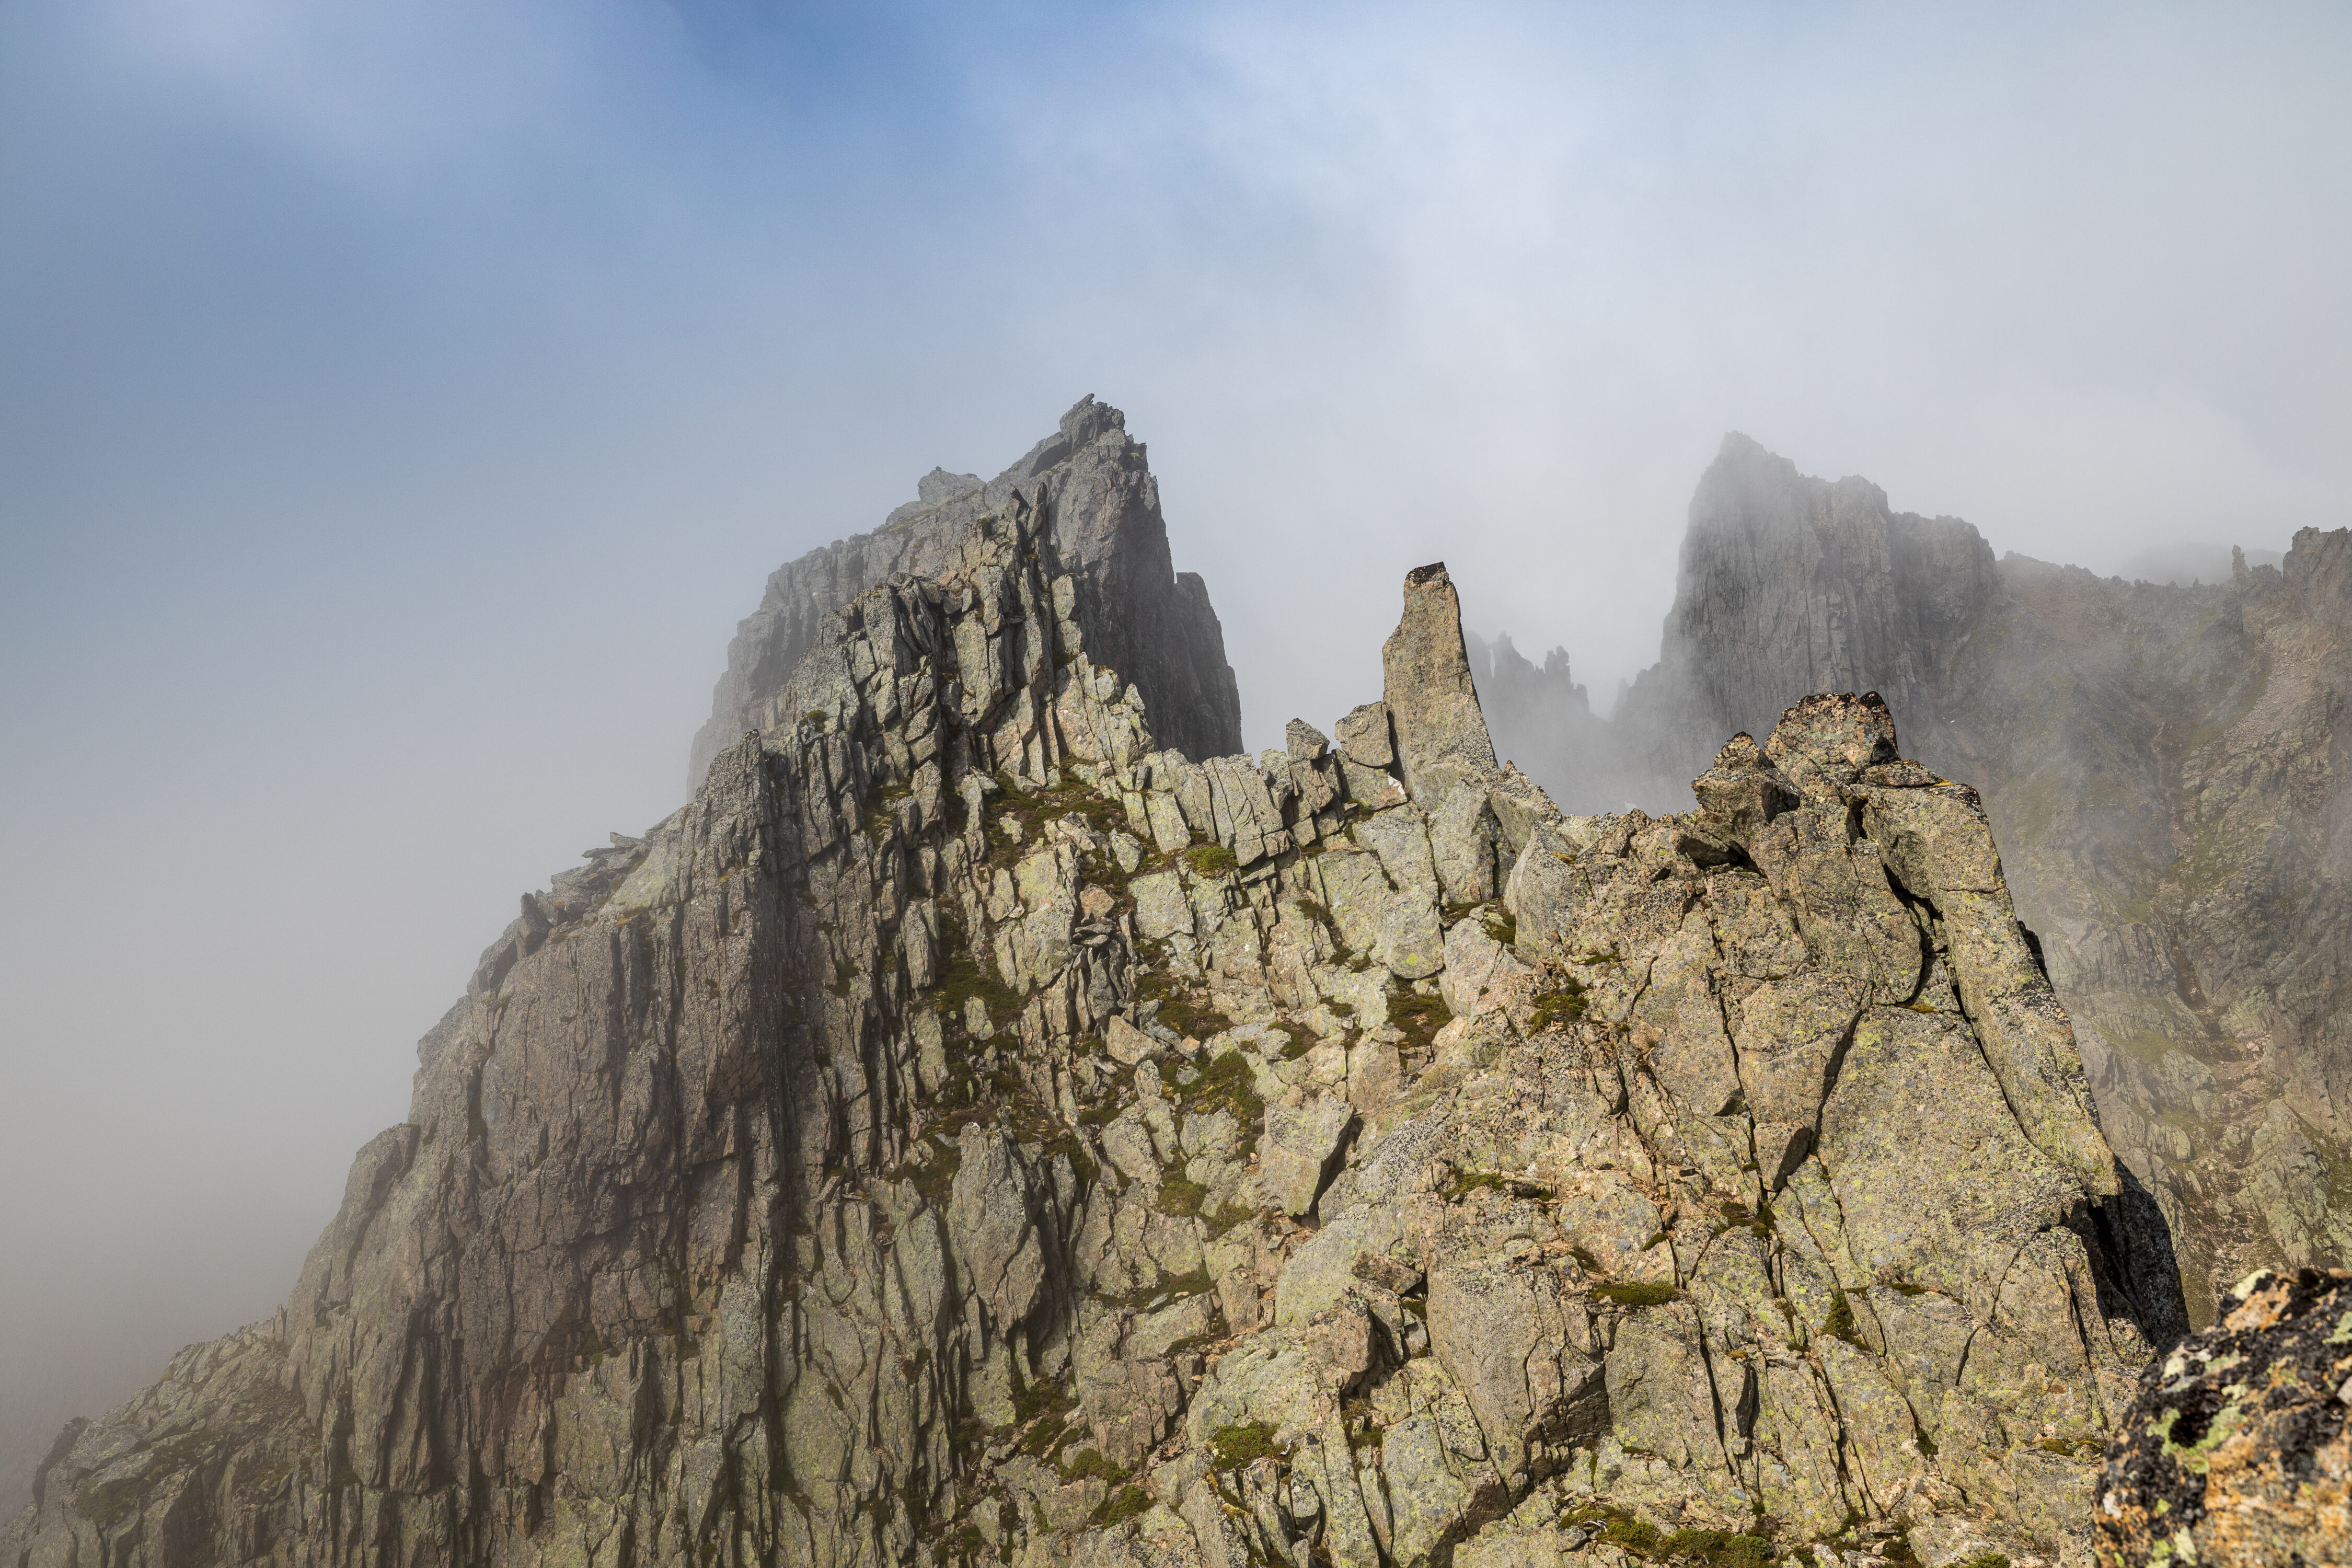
x: 1432, y: 701
x: 1364, y: 735
x: 1299, y: 1148
x: 880, y: 1161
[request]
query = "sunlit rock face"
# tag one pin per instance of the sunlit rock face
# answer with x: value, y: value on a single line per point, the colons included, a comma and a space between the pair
x: 974, y: 1130
x: 2166, y: 767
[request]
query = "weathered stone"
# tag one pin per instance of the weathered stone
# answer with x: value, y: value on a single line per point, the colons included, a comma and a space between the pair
x: 1792, y: 1034
x: 1428, y: 1496
x: 1299, y: 1148
x: 1089, y: 486
x: 2151, y: 752
x: 1517, y: 1343
x: 1462, y: 840
x: 1161, y: 908
x: 1351, y: 1246
x: 1743, y: 792
x: 778, y: 1143
x: 992, y: 1219
x: 1375, y: 1073
x: 1659, y: 1398
x: 1546, y: 893
x: 1364, y: 736
x: 1480, y: 973
x: 1127, y: 1043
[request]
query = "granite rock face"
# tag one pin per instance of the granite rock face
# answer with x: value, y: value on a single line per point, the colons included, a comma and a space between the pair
x: 2170, y: 767
x: 1090, y: 488
x: 970, y: 1131
x: 2236, y: 1452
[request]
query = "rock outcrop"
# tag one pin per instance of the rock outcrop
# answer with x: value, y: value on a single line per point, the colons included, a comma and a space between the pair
x: 971, y: 1130
x: 1092, y: 491
x: 2170, y: 767
x: 2236, y: 1451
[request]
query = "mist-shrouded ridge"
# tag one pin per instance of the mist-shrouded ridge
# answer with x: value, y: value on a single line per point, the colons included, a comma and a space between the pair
x: 1543, y: 721
x: 972, y: 1132
x: 2165, y: 762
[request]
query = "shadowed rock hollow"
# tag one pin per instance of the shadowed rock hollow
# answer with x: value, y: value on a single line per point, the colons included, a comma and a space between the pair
x: 971, y: 1130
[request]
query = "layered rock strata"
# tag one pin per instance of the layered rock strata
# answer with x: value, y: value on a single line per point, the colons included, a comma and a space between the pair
x: 2170, y: 767
x: 972, y: 1132
x: 1090, y: 488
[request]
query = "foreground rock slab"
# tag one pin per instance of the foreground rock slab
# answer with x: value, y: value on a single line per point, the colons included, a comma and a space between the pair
x: 2236, y: 1454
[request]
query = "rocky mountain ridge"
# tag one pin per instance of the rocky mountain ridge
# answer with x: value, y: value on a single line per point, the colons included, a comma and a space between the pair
x: 974, y: 1130
x: 2169, y: 766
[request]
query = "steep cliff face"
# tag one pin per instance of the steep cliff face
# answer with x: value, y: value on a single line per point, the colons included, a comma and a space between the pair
x: 1789, y: 584
x: 970, y: 1131
x: 1090, y: 490
x: 2166, y: 765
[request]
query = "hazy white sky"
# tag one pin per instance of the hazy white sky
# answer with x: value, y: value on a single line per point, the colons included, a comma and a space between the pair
x: 399, y: 404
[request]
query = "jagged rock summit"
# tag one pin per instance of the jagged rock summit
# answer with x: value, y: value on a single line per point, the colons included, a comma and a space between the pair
x: 1090, y: 490
x: 973, y: 1131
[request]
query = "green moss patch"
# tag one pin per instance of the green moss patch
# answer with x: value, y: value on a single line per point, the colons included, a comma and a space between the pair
x: 1618, y: 1528
x: 1555, y: 1004
x: 1122, y: 1505
x: 1176, y: 1009
x: 965, y: 973
x: 1092, y: 1464
x: 1180, y: 1197
x: 1637, y: 1293
x: 1840, y: 1324
x: 1420, y: 1018
x: 1233, y: 1448
x: 1212, y: 860
x: 1226, y: 1084
x: 1717, y: 1549
x: 1465, y: 1183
